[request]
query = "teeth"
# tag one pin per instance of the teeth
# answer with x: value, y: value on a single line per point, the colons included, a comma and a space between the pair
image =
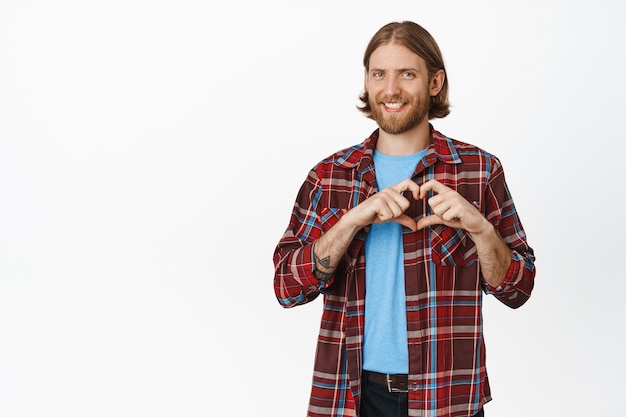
x: 393, y: 105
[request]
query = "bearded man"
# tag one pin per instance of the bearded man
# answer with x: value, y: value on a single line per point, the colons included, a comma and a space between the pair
x: 403, y: 234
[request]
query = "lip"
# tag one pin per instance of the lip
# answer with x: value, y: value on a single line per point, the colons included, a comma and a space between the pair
x: 394, y: 109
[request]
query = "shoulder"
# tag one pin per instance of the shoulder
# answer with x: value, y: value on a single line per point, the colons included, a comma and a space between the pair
x: 347, y: 159
x: 464, y: 152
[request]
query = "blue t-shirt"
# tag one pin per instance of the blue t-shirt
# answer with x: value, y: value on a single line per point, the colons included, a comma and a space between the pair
x: 385, y: 347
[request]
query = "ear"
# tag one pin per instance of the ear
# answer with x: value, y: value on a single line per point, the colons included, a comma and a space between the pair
x: 365, y: 78
x: 436, y: 82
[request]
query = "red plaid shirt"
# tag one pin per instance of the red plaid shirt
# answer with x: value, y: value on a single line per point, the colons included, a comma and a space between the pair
x: 444, y: 286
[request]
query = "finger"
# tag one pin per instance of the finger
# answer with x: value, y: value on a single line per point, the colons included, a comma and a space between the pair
x: 395, y: 202
x: 432, y: 185
x: 449, y: 215
x: 384, y: 213
x: 441, y: 208
x: 406, y: 221
x: 435, y: 200
x: 429, y: 221
x: 407, y: 185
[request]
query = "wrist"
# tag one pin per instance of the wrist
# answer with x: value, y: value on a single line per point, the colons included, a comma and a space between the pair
x: 322, y: 268
x: 483, y: 229
x: 348, y: 223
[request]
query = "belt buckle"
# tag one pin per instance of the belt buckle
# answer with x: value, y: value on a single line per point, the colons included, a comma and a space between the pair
x: 393, y: 389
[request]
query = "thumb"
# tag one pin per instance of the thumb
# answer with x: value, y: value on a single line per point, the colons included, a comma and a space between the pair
x: 429, y: 221
x: 406, y: 221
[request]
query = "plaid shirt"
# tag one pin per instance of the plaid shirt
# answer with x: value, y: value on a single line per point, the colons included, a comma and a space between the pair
x: 444, y: 287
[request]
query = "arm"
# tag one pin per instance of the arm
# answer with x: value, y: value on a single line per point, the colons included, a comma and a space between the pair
x: 453, y: 210
x: 385, y: 206
x: 306, y: 257
x: 506, y: 261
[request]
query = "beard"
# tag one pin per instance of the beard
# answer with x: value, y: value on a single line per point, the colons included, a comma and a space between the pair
x: 396, y: 124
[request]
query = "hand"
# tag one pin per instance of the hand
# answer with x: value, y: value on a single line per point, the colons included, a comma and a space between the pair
x: 386, y: 205
x: 451, y: 209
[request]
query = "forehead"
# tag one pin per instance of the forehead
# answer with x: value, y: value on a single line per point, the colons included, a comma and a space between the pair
x: 395, y: 56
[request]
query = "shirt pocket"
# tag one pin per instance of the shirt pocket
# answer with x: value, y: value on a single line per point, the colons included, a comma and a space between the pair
x: 329, y: 216
x: 452, y: 247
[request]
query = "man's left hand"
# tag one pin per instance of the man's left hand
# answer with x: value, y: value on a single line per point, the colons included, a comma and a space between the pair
x: 451, y: 209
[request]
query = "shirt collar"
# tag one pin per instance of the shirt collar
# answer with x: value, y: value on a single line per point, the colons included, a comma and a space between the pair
x: 441, y: 148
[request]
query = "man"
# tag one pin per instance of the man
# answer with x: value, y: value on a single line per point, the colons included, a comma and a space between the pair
x: 402, y: 234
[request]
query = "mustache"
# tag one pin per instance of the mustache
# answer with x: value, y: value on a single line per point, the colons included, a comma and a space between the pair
x: 391, y: 99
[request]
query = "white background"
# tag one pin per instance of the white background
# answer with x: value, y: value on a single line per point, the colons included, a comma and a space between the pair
x: 150, y: 153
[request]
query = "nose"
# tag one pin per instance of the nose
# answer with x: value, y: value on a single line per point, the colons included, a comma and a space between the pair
x: 392, y: 86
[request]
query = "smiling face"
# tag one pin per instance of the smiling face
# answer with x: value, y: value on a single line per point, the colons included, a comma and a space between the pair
x: 399, y: 88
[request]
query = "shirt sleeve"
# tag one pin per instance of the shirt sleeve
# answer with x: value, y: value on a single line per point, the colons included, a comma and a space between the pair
x: 294, y: 281
x: 519, y: 281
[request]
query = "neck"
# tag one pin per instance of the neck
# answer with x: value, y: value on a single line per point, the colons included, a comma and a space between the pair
x: 406, y: 143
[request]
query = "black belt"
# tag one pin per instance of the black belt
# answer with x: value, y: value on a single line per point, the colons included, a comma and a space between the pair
x: 394, y: 383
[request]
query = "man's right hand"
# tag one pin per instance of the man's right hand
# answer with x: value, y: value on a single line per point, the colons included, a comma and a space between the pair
x: 386, y: 206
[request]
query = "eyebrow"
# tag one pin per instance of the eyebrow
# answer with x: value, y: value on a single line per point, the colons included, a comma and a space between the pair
x: 391, y: 70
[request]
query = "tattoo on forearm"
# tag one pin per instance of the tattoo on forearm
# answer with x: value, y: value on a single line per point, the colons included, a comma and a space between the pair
x: 321, y: 275
x: 325, y: 263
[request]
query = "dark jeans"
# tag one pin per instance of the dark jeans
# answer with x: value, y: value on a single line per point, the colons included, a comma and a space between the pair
x: 377, y: 401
